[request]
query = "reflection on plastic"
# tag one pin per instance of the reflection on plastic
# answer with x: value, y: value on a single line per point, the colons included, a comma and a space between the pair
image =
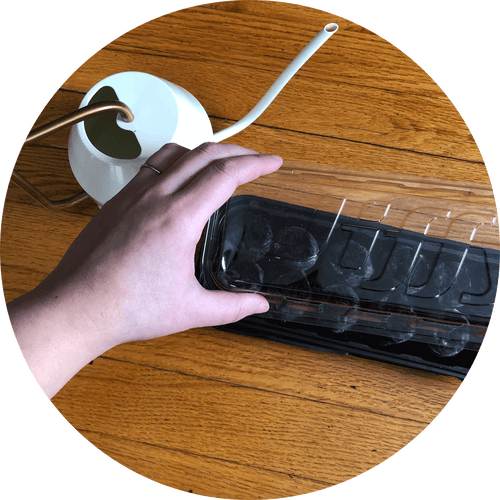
x: 360, y: 274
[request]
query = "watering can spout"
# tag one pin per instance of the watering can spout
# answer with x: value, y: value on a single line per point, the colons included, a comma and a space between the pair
x: 278, y: 85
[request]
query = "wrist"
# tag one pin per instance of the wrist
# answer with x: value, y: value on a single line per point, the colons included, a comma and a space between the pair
x: 56, y: 337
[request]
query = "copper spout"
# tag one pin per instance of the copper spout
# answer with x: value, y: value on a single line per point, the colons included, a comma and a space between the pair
x: 53, y: 126
x: 78, y: 116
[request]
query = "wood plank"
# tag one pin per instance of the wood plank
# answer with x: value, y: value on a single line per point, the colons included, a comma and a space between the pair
x: 344, y: 381
x: 459, y: 211
x: 48, y: 168
x: 370, y: 184
x: 366, y: 49
x: 262, y: 35
x: 62, y: 103
x: 231, y: 422
x: 18, y: 279
x: 291, y: 145
x: 369, y: 116
x: 202, y: 475
x: 361, y: 112
x: 34, y: 239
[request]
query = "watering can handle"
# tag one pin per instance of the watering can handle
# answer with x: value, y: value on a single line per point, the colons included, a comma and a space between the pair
x: 53, y: 126
x: 78, y: 116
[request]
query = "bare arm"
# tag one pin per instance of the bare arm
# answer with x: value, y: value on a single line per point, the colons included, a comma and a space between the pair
x: 130, y: 274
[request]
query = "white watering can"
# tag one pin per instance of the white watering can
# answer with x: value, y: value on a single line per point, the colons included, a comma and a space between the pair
x: 106, y: 151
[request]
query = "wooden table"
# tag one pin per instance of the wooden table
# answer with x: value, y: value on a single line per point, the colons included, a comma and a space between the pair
x: 226, y: 415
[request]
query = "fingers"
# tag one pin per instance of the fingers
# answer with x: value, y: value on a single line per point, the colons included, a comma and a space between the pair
x: 187, y: 167
x: 221, y: 307
x: 179, y: 165
x: 215, y: 184
x: 162, y: 160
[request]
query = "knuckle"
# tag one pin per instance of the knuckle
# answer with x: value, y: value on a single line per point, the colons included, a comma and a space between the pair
x: 170, y: 146
x: 225, y: 166
x: 210, y: 148
x: 166, y: 151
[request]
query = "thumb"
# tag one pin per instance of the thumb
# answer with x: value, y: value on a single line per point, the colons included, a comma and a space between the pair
x: 220, y: 307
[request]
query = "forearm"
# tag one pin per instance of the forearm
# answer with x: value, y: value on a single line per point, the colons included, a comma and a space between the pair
x: 130, y: 274
x: 54, y: 337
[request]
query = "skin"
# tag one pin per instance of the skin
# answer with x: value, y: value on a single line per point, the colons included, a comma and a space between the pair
x: 129, y: 275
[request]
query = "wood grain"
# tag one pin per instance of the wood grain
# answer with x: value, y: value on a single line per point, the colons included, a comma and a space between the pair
x: 344, y: 381
x: 225, y: 415
x: 232, y: 422
x: 390, y: 119
x: 202, y: 475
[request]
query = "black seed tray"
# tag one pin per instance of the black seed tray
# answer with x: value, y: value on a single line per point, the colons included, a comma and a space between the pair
x: 353, y: 286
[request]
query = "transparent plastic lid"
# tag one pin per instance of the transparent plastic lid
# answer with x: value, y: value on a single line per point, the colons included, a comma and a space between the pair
x: 402, y: 257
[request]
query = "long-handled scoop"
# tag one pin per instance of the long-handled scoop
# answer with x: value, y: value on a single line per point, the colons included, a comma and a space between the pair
x: 281, y: 81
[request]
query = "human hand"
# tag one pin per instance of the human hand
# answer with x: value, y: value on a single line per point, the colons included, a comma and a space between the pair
x: 129, y: 275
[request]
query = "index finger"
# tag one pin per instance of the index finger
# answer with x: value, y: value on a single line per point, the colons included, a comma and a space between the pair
x: 215, y: 184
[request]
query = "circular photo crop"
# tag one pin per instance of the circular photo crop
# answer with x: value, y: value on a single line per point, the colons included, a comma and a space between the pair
x: 250, y: 250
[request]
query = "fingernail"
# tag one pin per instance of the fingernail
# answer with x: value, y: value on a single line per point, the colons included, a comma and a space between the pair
x: 263, y: 307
